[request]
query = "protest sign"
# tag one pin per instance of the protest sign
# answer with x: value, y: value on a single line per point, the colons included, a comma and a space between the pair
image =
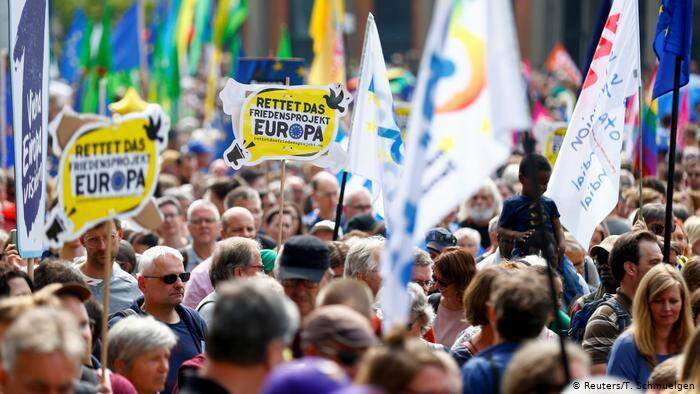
x: 586, y: 186
x: 550, y: 136
x: 282, y: 122
x: 108, y: 169
x: 29, y: 66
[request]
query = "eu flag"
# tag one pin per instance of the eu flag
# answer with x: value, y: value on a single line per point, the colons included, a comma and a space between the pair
x: 673, y: 38
x: 125, y: 41
x: 69, y: 66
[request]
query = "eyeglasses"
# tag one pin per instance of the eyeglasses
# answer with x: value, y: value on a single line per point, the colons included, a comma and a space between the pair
x: 199, y: 221
x: 440, y: 282
x: 259, y: 268
x: 171, y: 278
x: 95, y: 241
x: 309, y: 284
x: 424, y: 283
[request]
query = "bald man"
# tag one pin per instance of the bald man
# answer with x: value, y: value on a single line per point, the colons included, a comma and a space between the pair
x: 235, y: 222
x: 325, y: 198
x: 357, y: 202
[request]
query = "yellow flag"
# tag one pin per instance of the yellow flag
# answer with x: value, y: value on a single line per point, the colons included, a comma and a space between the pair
x: 184, y: 27
x: 325, y: 28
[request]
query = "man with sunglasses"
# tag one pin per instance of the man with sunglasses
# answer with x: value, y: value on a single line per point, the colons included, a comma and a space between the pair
x: 162, y: 280
x: 123, y: 289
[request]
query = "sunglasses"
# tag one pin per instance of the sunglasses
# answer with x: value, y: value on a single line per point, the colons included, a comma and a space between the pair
x: 171, y: 278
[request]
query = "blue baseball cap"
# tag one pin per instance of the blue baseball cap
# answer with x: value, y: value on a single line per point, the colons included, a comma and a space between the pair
x: 438, y: 239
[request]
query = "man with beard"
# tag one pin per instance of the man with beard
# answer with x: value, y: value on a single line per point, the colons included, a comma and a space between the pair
x: 162, y: 280
x: 479, y: 209
x: 123, y: 289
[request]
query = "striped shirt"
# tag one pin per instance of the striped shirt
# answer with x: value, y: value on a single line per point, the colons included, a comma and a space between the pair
x: 603, y: 328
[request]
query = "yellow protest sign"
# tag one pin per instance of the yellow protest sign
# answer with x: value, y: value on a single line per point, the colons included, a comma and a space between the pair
x: 282, y: 122
x: 107, y: 169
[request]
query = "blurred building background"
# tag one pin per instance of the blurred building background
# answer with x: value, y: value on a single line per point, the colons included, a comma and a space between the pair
x: 403, y: 25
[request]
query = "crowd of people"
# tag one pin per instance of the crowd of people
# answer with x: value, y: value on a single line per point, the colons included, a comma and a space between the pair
x: 242, y: 288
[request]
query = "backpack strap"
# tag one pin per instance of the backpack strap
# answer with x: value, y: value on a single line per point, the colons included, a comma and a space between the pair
x: 623, y: 317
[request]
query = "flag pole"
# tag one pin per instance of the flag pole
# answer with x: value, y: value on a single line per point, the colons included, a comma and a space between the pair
x: 105, y: 298
x: 339, y: 206
x: 143, y: 61
x: 3, y: 109
x: 103, y: 96
x: 672, y: 160
x: 641, y: 147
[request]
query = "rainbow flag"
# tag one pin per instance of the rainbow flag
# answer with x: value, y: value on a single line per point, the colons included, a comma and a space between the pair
x: 648, y: 137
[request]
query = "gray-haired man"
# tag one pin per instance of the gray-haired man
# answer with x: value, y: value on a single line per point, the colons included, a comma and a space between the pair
x: 162, y: 281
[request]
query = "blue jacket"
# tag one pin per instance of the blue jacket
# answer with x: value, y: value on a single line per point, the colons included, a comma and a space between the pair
x: 195, y: 324
x: 483, y: 373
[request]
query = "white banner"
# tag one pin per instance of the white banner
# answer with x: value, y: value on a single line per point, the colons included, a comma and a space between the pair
x: 585, y: 186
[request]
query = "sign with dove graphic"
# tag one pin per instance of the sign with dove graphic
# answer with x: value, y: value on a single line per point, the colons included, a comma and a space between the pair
x: 108, y: 168
x: 274, y: 122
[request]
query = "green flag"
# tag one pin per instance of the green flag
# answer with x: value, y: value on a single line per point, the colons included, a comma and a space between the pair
x: 98, y: 67
x: 284, y: 47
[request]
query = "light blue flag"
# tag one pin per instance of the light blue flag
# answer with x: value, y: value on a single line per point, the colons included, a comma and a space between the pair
x: 375, y: 148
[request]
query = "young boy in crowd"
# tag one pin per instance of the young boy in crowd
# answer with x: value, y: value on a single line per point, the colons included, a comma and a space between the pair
x: 519, y: 218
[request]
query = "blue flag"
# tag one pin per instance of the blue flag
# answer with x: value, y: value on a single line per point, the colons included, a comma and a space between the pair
x: 69, y: 64
x: 125, y: 41
x: 674, y: 31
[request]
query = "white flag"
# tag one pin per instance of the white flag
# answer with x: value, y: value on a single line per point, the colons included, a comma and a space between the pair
x: 375, y: 140
x: 461, y: 119
x: 586, y: 184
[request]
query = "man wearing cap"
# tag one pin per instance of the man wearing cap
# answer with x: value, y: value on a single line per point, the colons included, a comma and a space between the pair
x: 337, y: 333
x: 438, y: 239
x: 123, y: 289
x: 302, y: 263
x: 631, y: 257
x: 172, y: 230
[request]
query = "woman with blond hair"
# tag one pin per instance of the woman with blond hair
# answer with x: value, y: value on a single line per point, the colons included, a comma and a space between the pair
x: 661, y: 327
